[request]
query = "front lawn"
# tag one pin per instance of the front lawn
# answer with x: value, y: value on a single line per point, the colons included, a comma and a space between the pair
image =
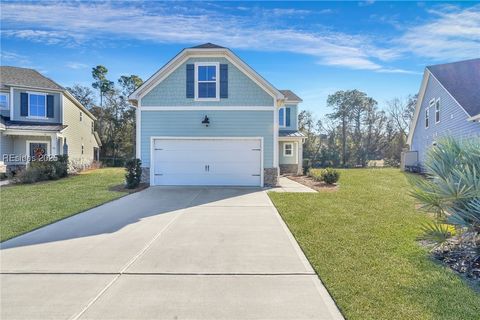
x: 361, y: 241
x: 29, y: 206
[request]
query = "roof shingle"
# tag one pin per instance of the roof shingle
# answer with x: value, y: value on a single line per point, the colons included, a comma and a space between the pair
x: 208, y: 45
x: 290, y: 95
x: 462, y: 80
x: 23, y: 77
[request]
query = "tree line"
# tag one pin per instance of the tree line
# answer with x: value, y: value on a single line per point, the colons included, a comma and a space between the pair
x: 115, y: 115
x: 353, y: 133
x: 357, y: 130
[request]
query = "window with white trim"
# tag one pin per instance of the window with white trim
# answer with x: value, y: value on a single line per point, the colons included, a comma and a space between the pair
x: 37, y: 105
x: 437, y: 111
x: 81, y: 116
x: 82, y: 148
x: 288, y: 149
x: 4, y: 100
x: 281, y: 117
x: 207, y: 84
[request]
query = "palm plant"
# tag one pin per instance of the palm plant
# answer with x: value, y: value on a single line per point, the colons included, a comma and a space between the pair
x: 452, y: 186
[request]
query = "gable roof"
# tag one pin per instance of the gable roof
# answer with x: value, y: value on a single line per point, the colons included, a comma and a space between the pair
x: 290, y: 96
x: 208, y: 45
x: 204, y: 50
x: 462, y: 80
x: 15, y: 76
x: 30, y: 78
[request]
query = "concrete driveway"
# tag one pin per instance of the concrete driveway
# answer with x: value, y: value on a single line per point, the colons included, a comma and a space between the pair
x: 164, y: 253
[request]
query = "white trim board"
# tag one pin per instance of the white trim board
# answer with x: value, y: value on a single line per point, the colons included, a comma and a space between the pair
x: 209, y: 108
x: 185, y: 54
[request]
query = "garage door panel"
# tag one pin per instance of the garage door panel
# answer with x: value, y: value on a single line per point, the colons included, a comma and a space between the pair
x: 207, y: 162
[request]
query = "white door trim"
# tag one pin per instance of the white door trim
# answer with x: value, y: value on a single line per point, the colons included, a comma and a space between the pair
x: 152, y: 162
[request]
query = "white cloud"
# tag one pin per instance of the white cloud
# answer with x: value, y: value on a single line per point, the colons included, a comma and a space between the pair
x: 13, y: 57
x: 454, y: 34
x: 80, y: 24
x: 77, y: 65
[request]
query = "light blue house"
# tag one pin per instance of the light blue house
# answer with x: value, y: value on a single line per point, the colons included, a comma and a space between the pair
x: 207, y: 118
x: 448, y: 105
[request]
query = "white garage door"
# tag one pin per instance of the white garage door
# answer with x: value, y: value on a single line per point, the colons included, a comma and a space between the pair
x: 221, y: 162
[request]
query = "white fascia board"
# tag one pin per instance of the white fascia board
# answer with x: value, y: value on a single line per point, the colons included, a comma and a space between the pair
x: 418, y: 106
x: 207, y: 108
x: 185, y: 54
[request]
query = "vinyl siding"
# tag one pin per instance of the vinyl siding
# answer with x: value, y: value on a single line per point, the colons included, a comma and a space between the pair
x: 453, y: 120
x: 6, y: 145
x: 242, y: 91
x: 293, y: 117
x: 78, y: 133
x: 287, y: 160
x: 56, y: 108
x: 222, y: 124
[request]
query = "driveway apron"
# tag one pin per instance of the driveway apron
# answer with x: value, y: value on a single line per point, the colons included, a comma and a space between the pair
x: 164, y: 253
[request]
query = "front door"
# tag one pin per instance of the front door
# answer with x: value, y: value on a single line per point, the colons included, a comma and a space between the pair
x: 38, y: 150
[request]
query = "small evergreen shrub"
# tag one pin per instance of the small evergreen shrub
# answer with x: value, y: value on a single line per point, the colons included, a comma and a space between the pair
x: 134, y: 173
x: 330, y: 175
x: 44, y: 170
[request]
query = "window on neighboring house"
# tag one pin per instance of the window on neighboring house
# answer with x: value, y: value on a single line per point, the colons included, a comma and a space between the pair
x: 207, y: 81
x: 81, y: 116
x: 37, y: 106
x: 281, y: 117
x: 288, y: 149
x: 4, y: 101
x: 82, y: 148
x: 93, y: 126
x: 437, y: 111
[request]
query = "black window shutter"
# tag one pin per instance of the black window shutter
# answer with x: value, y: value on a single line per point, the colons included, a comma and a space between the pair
x: 224, y: 81
x: 287, y: 115
x: 50, y: 106
x: 190, y: 81
x: 23, y: 104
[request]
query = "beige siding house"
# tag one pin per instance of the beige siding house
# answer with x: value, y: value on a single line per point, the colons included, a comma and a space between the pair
x: 38, y: 117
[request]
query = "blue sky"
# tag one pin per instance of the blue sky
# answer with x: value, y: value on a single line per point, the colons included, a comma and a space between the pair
x: 312, y: 48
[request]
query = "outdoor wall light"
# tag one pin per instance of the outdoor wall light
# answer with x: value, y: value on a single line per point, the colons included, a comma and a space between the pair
x: 206, y: 121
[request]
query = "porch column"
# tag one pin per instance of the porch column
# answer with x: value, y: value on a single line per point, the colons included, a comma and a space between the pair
x: 53, y: 144
x: 300, y: 156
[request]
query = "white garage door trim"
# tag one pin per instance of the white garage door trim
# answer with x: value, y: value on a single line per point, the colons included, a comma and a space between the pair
x: 152, y: 153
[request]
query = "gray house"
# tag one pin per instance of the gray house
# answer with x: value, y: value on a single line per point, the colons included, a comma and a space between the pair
x: 38, y: 117
x: 448, y: 105
x: 207, y: 118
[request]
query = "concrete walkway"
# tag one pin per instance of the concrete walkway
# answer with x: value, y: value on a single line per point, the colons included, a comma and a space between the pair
x: 287, y: 185
x: 164, y: 253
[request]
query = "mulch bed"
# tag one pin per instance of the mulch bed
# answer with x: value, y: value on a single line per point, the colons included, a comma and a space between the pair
x: 315, y: 185
x: 121, y: 188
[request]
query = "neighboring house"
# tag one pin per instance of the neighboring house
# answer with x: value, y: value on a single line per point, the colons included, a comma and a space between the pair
x: 448, y: 105
x: 207, y: 118
x: 39, y: 117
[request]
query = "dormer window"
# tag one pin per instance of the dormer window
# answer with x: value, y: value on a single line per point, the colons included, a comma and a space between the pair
x: 4, y: 100
x: 206, y: 81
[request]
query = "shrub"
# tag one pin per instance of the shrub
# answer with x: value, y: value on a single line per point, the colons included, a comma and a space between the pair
x: 315, y: 174
x: 134, y: 173
x: 44, y: 170
x: 330, y: 175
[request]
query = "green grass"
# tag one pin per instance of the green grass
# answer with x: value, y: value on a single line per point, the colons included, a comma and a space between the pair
x: 29, y: 206
x: 361, y: 241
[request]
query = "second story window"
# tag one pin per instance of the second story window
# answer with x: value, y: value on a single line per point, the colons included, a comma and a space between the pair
x: 4, y: 101
x: 81, y: 116
x: 37, y: 106
x: 93, y: 126
x: 207, y: 81
x: 281, y: 117
x: 437, y: 111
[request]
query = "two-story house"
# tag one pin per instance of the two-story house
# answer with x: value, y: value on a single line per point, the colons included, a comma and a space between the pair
x: 207, y: 118
x: 448, y: 105
x: 39, y: 117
